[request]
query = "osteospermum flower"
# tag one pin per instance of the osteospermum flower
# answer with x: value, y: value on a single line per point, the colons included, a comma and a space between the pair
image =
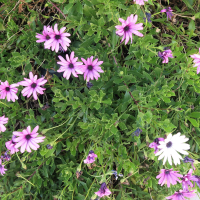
x: 27, y: 140
x: 168, y: 12
x: 170, y: 146
x: 168, y: 176
x: 165, y: 54
x: 139, y: 2
x: 3, y: 120
x: 69, y: 66
x: 128, y: 28
x: 90, y: 158
x: 155, y: 144
x: 45, y: 36
x: 8, y: 91
x: 179, y: 195
x: 10, y: 145
x: 2, y: 169
x: 103, y: 191
x: 196, y: 58
x: 91, y: 68
x: 185, y: 180
x: 58, y: 37
x: 33, y: 86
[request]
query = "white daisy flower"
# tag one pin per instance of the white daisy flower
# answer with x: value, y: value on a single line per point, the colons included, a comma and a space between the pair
x: 171, y: 146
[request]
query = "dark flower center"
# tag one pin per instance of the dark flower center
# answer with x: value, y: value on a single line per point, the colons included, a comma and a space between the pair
x: 47, y: 37
x: 13, y: 142
x: 90, y: 67
x: 7, y: 89
x: 126, y: 28
x: 28, y: 137
x: 169, y: 144
x: 57, y: 37
x: 33, y: 85
x: 156, y: 141
x: 71, y: 66
x: 167, y: 172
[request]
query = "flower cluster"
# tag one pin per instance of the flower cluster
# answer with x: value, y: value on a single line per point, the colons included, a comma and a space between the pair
x: 26, y: 139
x: 168, y: 148
x: 55, y: 39
x: 32, y: 86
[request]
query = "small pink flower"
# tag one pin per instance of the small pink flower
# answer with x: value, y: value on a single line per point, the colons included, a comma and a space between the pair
x: 91, y: 157
x: 70, y: 66
x: 168, y: 176
x: 8, y: 91
x: 155, y: 144
x: 2, y: 169
x: 196, y: 58
x: 45, y: 36
x: 33, y: 86
x: 179, y: 195
x: 91, y: 68
x: 128, y: 27
x: 10, y: 145
x: 168, y: 12
x: 58, y: 37
x: 185, y: 180
x: 165, y: 54
x: 3, y: 120
x: 103, y: 191
x: 140, y: 2
x: 27, y: 140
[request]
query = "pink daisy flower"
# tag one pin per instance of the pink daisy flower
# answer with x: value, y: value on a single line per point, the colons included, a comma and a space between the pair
x: 91, y: 68
x: 103, y: 191
x: 165, y: 54
x: 45, y: 36
x: 3, y: 120
x: 90, y: 158
x: 2, y: 169
x: 155, y: 144
x: 128, y: 27
x: 33, y: 86
x: 185, y: 180
x: 69, y: 66
x: 179, y: 195
x: 58, y: 38
x: 27, y: 140
x: 10, y: 145
x: 196, y: 58
x: 140, y: 2
x: 168, y: 176
x: 168, y: 12
x: 8, y: 91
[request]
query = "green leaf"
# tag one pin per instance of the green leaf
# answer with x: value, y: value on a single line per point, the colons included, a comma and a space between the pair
x: 107, y: 101
x: 191, y: 25
x: 67, y: 8
x: 195, y: 115
x: 79, y: 7
x: 189, y: 3
x: 193, y: 122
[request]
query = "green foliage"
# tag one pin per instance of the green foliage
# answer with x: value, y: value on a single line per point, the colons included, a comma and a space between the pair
x: 136, y: 90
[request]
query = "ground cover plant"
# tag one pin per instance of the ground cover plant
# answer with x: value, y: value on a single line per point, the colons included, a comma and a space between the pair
x: 99, y: 99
